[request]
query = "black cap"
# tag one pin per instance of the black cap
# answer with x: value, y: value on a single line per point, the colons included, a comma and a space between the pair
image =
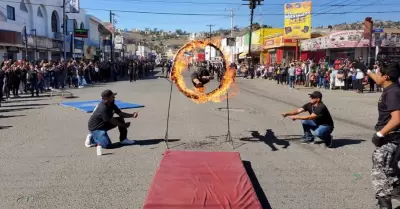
x: 107, y: 93
x: 316, y: 95
x: 392, y: 70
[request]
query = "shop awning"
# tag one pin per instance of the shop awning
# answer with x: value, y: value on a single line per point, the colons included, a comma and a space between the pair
x: 242, y: 55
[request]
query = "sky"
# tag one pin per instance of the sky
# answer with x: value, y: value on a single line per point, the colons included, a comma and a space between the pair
x: 126, y: 18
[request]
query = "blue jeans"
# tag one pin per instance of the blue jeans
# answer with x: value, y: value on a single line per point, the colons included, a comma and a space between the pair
x: 100, y: 137
x: 321, y: 80
x: 321, y: 131
x: 80, y: 80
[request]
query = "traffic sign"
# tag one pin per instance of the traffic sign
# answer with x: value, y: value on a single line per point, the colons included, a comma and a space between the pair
x: 377, y: 30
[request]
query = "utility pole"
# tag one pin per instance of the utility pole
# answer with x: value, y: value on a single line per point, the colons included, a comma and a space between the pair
x: 26, y: 44
x: 252, y: 5
x: 232, y: 47
x: 210, y: 40
x: 64, y: 31
x: 112, y: 36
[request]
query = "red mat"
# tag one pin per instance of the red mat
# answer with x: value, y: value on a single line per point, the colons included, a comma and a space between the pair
x: 206, y: 180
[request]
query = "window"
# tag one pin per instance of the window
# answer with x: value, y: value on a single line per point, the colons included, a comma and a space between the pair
x: 22, y: 7
x: 10, y: 13
x: 39, y: 12
x: 54, y: 22
x: 82, y: 26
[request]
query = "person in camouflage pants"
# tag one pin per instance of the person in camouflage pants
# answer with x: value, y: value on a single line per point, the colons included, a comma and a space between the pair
x: 384, y: 176
x: 386, y: 156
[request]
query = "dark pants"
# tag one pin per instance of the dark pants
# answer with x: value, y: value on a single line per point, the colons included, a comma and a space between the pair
x: 371, y: 85
x: 360, y: 86
x: 1, y: 92
x: 34, y: 86
x: 15, y: 88
x: 131, y: 75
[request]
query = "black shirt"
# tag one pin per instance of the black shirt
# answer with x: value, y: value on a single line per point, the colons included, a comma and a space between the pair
x: 323, y: 115
x: 388, y: 102
x: 199, y: 74
x: 102, y: 115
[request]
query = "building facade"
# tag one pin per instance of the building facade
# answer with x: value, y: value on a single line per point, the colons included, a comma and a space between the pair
x: 32, y: 30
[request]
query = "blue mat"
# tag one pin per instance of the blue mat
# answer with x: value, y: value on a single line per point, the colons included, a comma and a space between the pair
x: 88, y: 106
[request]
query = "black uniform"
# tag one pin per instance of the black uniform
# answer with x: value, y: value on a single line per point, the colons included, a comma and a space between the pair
x: 199, y: 74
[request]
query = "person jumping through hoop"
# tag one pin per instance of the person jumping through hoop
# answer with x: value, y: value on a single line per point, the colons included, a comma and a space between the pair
x: 201, y: 76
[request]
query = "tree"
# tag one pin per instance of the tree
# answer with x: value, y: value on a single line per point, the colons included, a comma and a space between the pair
x: 266, y: 26
x: 178, y: 31
x: 255, y: 26
x: 155, y: 30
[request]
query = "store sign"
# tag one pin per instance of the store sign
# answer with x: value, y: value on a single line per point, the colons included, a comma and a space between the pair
x: 315, y: 44
x: 347, y: 39
x: 118, y: 39
x: 390, y: 39
x: 73, y: 6
x: 297, y: 20
x: 44, y: 42
x: 279, y: 42
x: 81, y: 33
x: 78, y: 44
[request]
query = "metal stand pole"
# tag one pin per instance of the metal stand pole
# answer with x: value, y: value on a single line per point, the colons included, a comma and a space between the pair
x: 228, y: 135
x: 169, y: 108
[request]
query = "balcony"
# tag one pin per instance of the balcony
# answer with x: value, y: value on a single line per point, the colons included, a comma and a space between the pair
x: 57, y: 36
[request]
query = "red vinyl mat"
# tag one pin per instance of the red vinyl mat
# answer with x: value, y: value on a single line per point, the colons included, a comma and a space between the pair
x: 201, y: 180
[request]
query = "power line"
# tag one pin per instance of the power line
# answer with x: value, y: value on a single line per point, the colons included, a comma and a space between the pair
x: 216, y: 15
x: 230, y: 3
x: 217, y: 3
x: 372, y: 4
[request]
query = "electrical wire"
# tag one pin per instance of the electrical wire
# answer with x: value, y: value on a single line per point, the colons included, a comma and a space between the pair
x: 225, y: 3
x: 211, y: 3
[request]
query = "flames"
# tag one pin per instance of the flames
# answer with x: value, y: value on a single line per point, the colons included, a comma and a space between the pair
x: 197, y: 95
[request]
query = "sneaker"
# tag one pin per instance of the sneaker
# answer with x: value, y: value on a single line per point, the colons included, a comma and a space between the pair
x: 307, y: 141
x: 127, y: 142
x: 328, y: 141
x: 88, y: 141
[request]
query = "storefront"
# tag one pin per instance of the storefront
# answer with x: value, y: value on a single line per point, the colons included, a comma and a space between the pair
x: 46, y: 48
x: 10, y: 45
x: 389, y: 49
x: 279, y: 50
x: 314, y: 49
x: 339, y: 44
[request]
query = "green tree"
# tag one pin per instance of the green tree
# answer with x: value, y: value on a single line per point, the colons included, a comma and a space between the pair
x: 266, y: 26
x: 178, y: 31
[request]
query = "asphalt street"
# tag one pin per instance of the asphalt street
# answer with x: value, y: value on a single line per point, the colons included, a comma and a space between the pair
x: 44, y: 164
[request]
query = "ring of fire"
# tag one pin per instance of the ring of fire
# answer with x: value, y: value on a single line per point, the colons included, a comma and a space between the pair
x: 197, y: 95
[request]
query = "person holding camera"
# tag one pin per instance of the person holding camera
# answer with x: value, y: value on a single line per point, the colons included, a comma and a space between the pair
x: 385, y: 158
x: 103, y: 120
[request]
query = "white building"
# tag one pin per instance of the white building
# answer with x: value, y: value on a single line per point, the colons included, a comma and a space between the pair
x: 43, y: 23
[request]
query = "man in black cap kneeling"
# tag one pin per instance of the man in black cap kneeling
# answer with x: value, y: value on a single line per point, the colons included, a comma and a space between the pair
x: 103, y: 120
x: 319, y: 121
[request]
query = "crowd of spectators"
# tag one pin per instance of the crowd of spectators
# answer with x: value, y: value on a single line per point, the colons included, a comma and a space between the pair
x: 36, y: 77
x: 342, y: 74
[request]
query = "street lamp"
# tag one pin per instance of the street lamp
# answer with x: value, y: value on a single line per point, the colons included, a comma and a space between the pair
x: 34, y: 30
